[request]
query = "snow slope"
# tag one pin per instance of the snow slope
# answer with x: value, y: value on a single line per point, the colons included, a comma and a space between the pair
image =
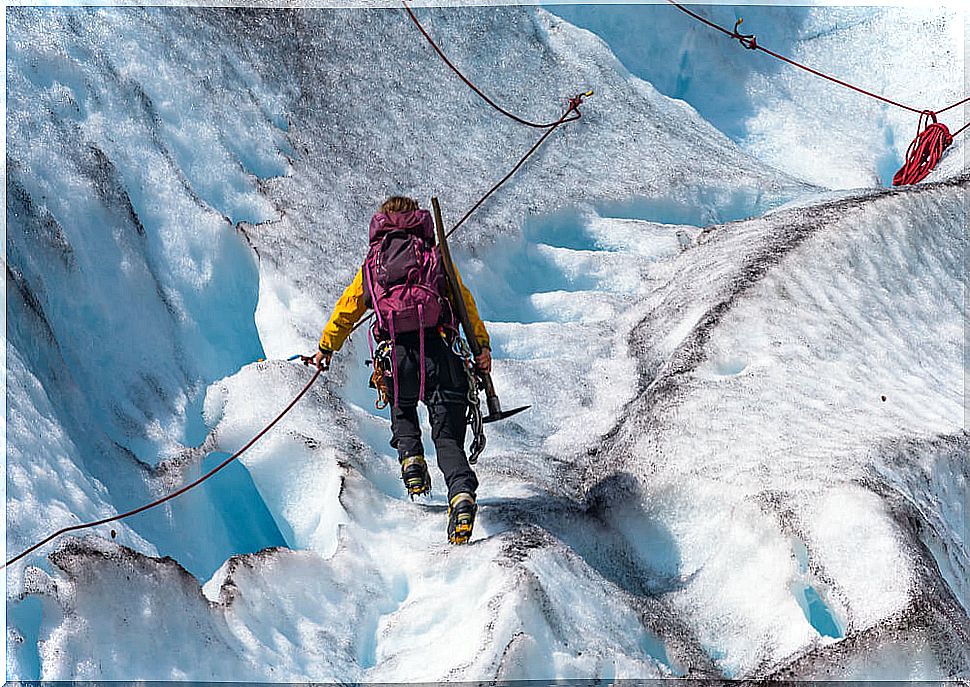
x: 821, y: 345
x: 708, y: 483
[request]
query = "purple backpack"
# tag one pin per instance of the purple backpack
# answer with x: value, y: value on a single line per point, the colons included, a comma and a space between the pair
x: 404, y: 280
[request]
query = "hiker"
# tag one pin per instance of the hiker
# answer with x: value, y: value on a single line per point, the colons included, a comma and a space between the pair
x: 403, y: 280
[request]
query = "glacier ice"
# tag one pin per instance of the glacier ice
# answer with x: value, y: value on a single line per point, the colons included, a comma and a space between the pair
x: 812, y: 128
x: 746, y: 455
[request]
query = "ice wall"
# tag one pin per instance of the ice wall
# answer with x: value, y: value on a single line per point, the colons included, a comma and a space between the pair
x: 129, y: 289
x: 397, y: 120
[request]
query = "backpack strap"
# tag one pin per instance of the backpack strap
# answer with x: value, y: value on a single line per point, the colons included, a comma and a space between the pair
x: 394, y: 359
x: 421, y: 351
x: 368, y: 277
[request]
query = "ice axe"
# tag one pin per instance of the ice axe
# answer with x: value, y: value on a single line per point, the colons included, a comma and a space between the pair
x: 495, y: 411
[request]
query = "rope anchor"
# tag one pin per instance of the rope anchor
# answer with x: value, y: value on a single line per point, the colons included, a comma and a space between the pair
x: 748, y: 40
x: 577, y: 100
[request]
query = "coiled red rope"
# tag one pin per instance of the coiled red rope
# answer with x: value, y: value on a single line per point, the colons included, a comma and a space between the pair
x: 925, y: 151
x: 932, y: 137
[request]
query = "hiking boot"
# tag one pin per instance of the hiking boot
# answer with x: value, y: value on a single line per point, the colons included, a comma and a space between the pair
x: 461, y: 517
x: 414, y: 472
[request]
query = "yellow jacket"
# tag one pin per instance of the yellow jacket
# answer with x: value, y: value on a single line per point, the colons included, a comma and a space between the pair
x: 350, y: 308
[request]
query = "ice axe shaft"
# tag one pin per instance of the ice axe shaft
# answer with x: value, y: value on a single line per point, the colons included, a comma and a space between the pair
x: 495, y: 411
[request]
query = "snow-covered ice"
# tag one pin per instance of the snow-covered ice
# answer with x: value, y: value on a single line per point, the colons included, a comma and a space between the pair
x: 746, y: 452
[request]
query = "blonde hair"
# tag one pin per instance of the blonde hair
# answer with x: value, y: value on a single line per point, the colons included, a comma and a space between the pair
x: 398, y: 204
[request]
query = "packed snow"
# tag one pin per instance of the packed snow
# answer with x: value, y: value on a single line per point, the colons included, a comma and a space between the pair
x: 746, y: 450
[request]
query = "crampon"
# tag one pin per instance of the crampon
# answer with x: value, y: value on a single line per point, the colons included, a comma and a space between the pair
x: 414, y: 473
x: 461, y: 518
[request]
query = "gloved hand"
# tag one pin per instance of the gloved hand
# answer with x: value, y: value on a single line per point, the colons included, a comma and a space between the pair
x: 322, y: 359
x: 484, y: 360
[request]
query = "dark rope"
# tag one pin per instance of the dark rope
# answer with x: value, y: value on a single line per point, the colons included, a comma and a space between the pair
x: 574, y: 104
x: 571, y: 114
x: 749, y: 41
x: 468, y: 81
x: 179, y: 492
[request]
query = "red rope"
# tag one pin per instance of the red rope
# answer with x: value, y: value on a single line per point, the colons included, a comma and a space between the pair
x: 931, y: 140
x: 956, y: 104
x: 171, y: 496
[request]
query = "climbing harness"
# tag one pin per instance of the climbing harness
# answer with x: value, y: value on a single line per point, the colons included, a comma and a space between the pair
x: 382, y: 364
x: 932, y: 137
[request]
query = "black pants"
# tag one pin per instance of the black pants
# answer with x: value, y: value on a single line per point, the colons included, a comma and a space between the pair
x: 445, y: 395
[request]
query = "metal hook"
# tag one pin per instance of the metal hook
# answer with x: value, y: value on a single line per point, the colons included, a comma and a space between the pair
x: 748, y: 40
